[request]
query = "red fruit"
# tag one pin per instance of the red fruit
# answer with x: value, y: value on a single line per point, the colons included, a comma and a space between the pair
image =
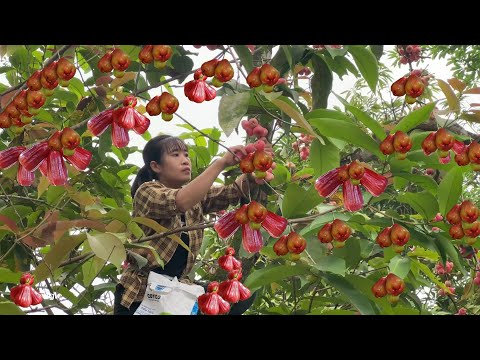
x: 56, y: 169
x: 399, y: 235
x: 386, y: 146
x: 394, y: 285
x: 468, y: 211
x: 145, y: 55
x: 120, y: 136
x: 208, y: 68
x: 229, y: 291
x: 443, y: 140
x: 70, y: 138
x: 383, y: 239
x: 453, y: 216
x: 80, y: 158
x: 474, y: 230
x: 196, y: 91
x: 32, y: 157
x: 20, y: 101
x: 229, y: 263
x: 462, y: 159
x: 9, y: 156
x: 33, y: 81
x: 124, y: 117
x: 5, y: 121
x: 262, y: 160
x: 343, y: 173
x: 22, y: 295
x: 49, y: 73
x: 100, y: 122
x: 474, y: 152
x: 402, y: 142
x: 27, y: 278
x: 120, y: 60
x: 105, y: 63
x: 161, y: 52
x: 153, y: 106
x: 130, y: 101
x: 210, y: 92
x: 12, y: 111
x: 37, y: 298
x: 223, y: 71
x: 212, y: 304
x: 456, y: 231
x: 340, y: 231
x: 241, y: 215
x: 356, y: 172
x: 55, y: 141
x: 295, y: 243
x: 280, y: 246
x: 229, y: 251
x: 35, y: 99
x: 48, y: 86
x: 428, y: 144
x: 274, y: 224
x: 256, y: 212
x: 414, y: 86
x: 398, y: 87
x: 246, y: 164
x: 253, y: 79
x: 65, y: 69
x: 168, y: 103
x: 325, y: 234
x: 379, y: 289
x: 269, y: 75
x: 226, y: 225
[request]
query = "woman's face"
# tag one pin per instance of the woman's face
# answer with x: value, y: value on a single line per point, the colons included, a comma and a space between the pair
x: 175, y: 169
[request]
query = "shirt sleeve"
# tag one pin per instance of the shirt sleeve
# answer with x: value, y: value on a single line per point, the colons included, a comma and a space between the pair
x: 220, y: 197
x: 157, y: 202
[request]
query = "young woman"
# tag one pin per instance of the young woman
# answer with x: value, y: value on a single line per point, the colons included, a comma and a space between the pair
x: 159, y: 193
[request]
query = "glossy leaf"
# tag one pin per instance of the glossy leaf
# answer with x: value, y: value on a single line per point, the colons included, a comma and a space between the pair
x: 366, y: 63
x: 273, y: 273
x: 452, y: 100
x: 423, y: 203
x: 415, y: 118
x: 450, y: 189
x: 231, y: 110
x: 400, y: 266
x: 298, y: 201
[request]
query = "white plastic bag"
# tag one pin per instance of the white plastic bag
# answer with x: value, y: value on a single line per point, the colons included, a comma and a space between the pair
x: 166, y: 295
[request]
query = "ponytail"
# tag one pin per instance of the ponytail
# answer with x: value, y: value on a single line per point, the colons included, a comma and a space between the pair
x: 154, y: 151
x: 144, y: 175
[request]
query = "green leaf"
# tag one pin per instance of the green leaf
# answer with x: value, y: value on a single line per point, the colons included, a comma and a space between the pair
x: 425, y: 182
x: 368, y: 121
x: 120, y: 214
x: 135, y: 229
x: 324, y: 157
x: 212, y: 145
x: 446, y: 244
x: 273, y: 273
x: 140, y: 260
x: 423, y: 203
x: 282, y: 175
x: 424, y: 268
x: 160, y: 229
x: 107, y: 247
x: 291, y: 110
x: 322, y: 311
x: 55, y: 256
x: 321, y: 82
x: 452, y: 100
x: 9, y: 308
x: 76, y: 85
x: 16, y: 212
x: 329, y: 114
x: 245, y: 56
x: 288, y: 55
x: 231, y: 110
x: 148, y: 247
x: 344, y: 131
x: 360, y: 301
x: 331, y: 264
x: 366, y: 63
x: 450, y: 189
x: 400, y: 266
x: 90, y: 269
x: 298, y: 201
x: 415, y: 118
x: 8, y: 276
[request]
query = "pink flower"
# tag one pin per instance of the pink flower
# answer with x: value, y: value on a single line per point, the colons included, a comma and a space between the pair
x: 350, y: 176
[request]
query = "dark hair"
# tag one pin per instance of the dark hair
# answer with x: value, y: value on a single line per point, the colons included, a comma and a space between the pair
x: 154, y: 150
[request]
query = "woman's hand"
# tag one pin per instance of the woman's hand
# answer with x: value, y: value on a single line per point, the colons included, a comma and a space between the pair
x: 230, y: 159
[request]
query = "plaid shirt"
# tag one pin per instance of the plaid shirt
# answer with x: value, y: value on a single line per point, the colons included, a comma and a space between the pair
x: 155, y: 201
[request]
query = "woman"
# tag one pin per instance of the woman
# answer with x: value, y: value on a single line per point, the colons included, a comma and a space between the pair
x: 159, y: 194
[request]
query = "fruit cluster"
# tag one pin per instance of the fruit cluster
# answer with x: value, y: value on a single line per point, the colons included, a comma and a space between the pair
x: 209, y: 47
x: 390, y: 285
x: 116, y: 60
x: 216, y: 300
x: 291, y: 243
x: 463, y: 218
x: 253, y: 128
x: 399, y: 143
x: 336, y: 231
x: 24, y: 294
x: 396, y: 235
x: 250, y: 217
x: 122, y: 120
x: 409, y: 53
x: 47, y: 156
x: 198, y: 90
x: 41, y: 84
x: 442, y: 270
x: 305, y: 71
x: 412, y: 86
x: 257, y: 161
x: 266, y: 75
x: 448, y: 284
x: 159, y: 54
x: 166, y: 104
x: 302, y: 144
